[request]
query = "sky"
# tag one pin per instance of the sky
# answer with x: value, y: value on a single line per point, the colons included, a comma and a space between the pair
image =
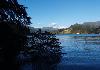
x: 61, y: 13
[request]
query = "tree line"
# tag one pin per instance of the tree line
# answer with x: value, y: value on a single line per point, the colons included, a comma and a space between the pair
x: 85, y: 28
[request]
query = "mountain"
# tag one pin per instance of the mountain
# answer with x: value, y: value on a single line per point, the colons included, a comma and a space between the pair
x: 85, y: 28
x: 92, y: 24
x: 50, y: 29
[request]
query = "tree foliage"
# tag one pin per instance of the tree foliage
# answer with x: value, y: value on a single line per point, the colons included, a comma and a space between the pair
x: 85, y: 28
x: 11, y: 11
x: 13, y: 31
x: 15, y: 37
x: 44, y: 47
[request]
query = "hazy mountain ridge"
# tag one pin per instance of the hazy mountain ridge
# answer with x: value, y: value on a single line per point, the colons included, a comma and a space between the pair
x: 92, y: 24
x: 49, y: 29
x: 86, y: 27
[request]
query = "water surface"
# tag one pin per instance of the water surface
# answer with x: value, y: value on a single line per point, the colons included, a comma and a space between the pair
x: 81, y: 52
x: 80, y: 49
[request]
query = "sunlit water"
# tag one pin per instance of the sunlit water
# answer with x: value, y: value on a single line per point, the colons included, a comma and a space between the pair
x: 80, y: 48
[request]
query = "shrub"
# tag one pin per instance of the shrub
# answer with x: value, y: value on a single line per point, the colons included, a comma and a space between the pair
x: 44, y: 47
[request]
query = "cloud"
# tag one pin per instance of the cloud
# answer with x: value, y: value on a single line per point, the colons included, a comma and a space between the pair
x: 59, y: 26
x: 53, y: 24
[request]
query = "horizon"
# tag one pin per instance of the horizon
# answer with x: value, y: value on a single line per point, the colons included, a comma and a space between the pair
x: 61, y: 13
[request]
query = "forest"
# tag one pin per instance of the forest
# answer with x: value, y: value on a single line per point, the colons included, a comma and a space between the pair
x: 85, y: 28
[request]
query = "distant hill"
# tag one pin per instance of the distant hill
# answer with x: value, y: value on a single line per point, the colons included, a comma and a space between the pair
x: 50, y: 29
x: 92, y: 24
x: 85, y: 28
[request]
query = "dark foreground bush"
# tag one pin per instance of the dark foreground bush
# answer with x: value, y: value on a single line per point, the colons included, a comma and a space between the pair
x: 44, y: 47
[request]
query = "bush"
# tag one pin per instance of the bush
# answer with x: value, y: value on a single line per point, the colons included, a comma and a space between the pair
x: 44, y: 47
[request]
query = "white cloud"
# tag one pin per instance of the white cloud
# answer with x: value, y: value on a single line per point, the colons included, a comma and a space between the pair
x: 59, y: 26
x: 52, y: 24
x: 55, y: 25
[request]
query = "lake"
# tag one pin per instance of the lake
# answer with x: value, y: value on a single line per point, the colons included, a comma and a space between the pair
x: 82, y: 52
x: 80, y: 49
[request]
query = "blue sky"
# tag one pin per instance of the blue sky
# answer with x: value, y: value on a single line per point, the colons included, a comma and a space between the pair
x: 61, y: 13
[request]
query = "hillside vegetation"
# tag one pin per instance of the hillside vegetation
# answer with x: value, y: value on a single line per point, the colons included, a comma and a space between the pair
x: 85, y: 28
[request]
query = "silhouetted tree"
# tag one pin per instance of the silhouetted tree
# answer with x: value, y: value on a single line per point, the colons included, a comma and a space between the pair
x: 44, y: 47
x: 13, y: 31
x: 15, y: 37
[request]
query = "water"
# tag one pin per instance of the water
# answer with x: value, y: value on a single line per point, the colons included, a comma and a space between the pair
x: 82, y: 52
x: 80, y: 49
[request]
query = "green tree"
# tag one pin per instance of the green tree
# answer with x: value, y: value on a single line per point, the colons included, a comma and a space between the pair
x: 76, y: 28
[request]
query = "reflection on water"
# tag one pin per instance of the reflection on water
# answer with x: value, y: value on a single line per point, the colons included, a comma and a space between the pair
x: 80, y: 49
